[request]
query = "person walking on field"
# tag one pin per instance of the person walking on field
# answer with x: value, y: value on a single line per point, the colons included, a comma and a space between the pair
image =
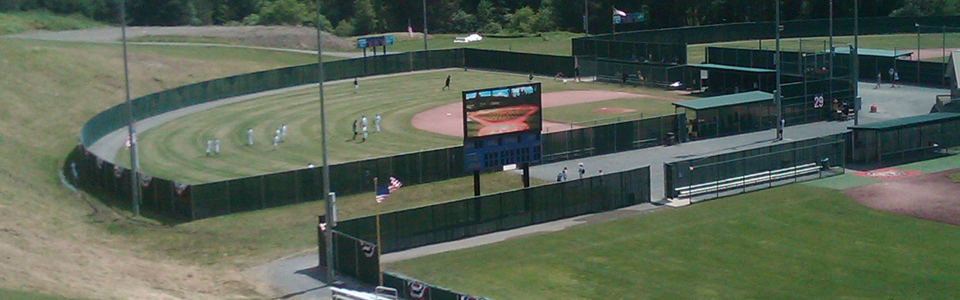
x: 446, y: 86
x: 354, y: 130
x: 209, y: 147
x: 276, y: 141
x: 376, y: 122
x: 879, y: 77
x: 283, y: 132
x: 581, y: 171
x: 250, y: 137
x: 356, y: 86
x: 896, y: 78
x: 364, y: 134
x: 216, y: 146
x: 576, y: 72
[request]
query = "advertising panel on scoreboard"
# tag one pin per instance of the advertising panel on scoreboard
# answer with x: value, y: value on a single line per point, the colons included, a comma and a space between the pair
x: 502, y: 110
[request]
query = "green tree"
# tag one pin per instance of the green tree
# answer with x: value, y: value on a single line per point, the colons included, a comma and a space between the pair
x: 545, y: 17
x: 463, y: 22
x: 344, y: 28
x: 364, y: 17
x: 523, y: 20
x: 284, y: 12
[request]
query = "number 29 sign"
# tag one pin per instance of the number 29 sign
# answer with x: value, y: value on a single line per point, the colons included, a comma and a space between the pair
x: 818, y: 101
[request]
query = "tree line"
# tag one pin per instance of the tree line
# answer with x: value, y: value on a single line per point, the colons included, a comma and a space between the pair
x: 357, y: 17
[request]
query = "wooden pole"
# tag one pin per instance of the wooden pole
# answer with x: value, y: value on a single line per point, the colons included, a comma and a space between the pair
x: 379, y: 265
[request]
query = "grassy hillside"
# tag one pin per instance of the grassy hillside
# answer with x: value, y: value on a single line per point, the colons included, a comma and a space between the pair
x: 54, y: 241
x: 17, y: 22
x: 792, y: 242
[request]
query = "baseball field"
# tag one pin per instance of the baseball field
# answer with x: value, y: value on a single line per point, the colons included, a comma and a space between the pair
x: 416, y: 112
x: 800, y: 241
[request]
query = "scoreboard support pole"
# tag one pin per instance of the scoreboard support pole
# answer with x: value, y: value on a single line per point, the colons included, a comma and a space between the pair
x: 526, y: 175
x: 476, y: 183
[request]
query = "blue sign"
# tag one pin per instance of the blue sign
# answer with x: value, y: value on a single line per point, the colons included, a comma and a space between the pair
x: 629, y: 18
x: 374, y: 41
x: 501, y: 150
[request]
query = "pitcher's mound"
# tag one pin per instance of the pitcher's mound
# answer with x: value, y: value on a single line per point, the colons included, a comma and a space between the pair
x: 930, y: 196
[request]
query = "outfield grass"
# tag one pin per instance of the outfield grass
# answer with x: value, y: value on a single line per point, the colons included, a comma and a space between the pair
x: 792, y: 242
x: 17, y: 22
x: 584, y: 114
x: 176, y: 150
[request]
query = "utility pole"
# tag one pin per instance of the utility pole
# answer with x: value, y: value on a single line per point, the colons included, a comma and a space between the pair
x: 831, y: 51
x: 855, y: 73
x: 425, y: 25
x: 586, y: 17
x: 330, y: 208
x: 131, y: 120
x: 779, y: 60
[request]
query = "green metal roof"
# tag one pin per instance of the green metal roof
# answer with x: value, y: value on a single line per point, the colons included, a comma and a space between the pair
x: 875, y: 52
x: 732, y: 68
x: 908, y: 121
x: 725, y: 100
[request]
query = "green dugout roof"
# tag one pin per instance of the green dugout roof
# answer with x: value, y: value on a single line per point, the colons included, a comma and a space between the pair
x: 875, y: 52
x: 732, y: 68
x: 906, y: 122
x: 725, y: 100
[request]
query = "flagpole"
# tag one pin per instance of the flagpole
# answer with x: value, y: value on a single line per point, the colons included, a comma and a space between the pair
x: 613, y: 22
x: 379, y: 265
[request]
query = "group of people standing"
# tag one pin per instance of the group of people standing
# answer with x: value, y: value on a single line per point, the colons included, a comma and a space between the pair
x: 360, y: 126
x: 894, y: 78
x: 562, y: 176
x: 279, y: 136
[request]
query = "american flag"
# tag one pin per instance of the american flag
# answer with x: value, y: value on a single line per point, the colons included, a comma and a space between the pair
x: 384, y: 190
x: 617, y: 12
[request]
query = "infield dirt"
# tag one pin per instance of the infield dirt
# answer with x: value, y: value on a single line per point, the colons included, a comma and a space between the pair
x: 930, y: 196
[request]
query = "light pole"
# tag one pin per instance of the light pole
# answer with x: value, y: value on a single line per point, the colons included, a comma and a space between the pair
x: 831, y: 50
x: 855, y: 72
x: 918, y: 52
x: 425, y: 25
x: 586, y: 16
x: 328, y: 233
x: 776, y: 95
x: 131, y: 120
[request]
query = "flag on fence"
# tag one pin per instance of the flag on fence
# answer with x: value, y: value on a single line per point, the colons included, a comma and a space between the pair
x: 384, y: 190
x: 409, y: 28
x: 617, y: 12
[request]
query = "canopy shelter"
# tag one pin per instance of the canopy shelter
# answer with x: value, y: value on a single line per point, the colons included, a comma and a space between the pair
x: 953, y: 74
x: 874, y: 62
x: 728, y: 114
x: 727, y: 79
x: 905, y: 139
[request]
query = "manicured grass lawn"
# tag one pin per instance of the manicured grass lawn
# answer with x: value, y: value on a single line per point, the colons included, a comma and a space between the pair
x: 176, y: 150
x: 792, y: 242
x: 554, y: 43
x: 586, y: 114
